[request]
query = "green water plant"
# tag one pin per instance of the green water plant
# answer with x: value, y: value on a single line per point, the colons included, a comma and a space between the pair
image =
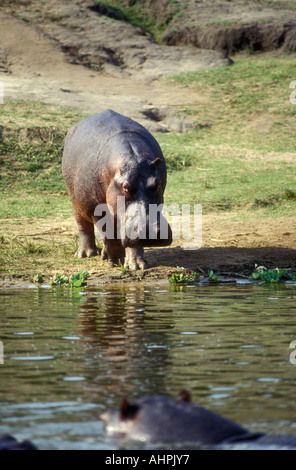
x: 213, y: 277
x: 74, y: 280
x: 59, y: 280
x: 183, y: 278
x: 272, y: 275
x: 38, y: 278
x: 78, y: 279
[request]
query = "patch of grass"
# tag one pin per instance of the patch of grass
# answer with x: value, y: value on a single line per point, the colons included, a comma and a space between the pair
x: 289, y: 194
x: 15, y: 247
x: 23, y: 257
x: 177, y: 161
x: 136, y: 14
x: 244, y: 158
x: 31, y: 147
x: 14, y: 253
x: 252, y: 84
x: 282, y: 3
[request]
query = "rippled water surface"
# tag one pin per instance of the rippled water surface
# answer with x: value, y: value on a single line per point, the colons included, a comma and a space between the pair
x: 69, y: 355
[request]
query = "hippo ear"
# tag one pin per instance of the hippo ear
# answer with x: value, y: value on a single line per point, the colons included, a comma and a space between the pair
x: 184, y: 395
x: 127, y: 410
x: 124, y: 408
x: 156, y: 162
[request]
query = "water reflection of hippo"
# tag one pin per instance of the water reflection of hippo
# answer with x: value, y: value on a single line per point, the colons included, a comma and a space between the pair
x: 8, y: 442
x: 162, y: 420
x: 106, y: 156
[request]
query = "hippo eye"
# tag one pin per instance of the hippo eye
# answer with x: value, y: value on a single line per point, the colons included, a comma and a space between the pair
x: 154, y: 186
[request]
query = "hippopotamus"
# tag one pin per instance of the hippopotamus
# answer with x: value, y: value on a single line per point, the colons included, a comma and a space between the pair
x: 8, y: 442
x: 161, y: 419
x: 115, y: 174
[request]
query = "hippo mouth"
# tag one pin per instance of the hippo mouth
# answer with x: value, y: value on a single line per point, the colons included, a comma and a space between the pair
x: 149, y: 235
x: 146, y: 242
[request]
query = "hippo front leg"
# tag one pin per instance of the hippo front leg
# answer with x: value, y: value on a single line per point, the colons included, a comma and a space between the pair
x: 113, y: 252
x: 134, y: 259
x: 87, y: 245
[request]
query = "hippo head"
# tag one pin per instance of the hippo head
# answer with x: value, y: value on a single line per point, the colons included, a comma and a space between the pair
x: 136, y: 199
x: 125, y: 421
x: 120, y: 422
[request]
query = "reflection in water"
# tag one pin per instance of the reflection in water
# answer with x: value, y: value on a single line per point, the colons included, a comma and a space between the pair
x: 119, y: 341
x: 68, y: 355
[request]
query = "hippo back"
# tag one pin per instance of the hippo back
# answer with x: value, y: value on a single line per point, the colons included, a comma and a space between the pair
x: 92, y: 143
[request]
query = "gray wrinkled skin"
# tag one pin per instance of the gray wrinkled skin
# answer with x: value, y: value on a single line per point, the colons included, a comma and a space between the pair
x: 158, y: 419
x: 106, y: 156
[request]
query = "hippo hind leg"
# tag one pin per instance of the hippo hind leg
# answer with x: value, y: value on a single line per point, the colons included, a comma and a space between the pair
x: 87, y: 245
x: 134, y: 259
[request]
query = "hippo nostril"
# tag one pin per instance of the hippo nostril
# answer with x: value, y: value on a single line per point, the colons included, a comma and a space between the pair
x: 126, y: 189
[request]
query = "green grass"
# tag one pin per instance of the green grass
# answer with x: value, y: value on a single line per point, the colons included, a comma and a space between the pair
x: 242, y: 153
x: 24, y: 256
x: 31, y: 181
x: 239, y: 158
x: 134, y: 14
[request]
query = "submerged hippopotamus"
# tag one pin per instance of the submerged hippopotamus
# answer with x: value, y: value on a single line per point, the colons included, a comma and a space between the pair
x: 115, y: 174
x: 165, y: 420
x: 8, y: 442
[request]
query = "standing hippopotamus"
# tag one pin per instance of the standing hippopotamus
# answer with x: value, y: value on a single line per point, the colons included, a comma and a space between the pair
x: 160, y: 419
x: 115, y: 172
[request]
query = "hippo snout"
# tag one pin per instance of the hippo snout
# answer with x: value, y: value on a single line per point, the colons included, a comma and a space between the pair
x: 144, y: 226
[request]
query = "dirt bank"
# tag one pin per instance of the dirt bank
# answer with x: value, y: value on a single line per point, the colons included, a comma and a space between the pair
x: 234, y: 26
x: 227, y: 248
x: 68, y: 54
x: 78, y: 61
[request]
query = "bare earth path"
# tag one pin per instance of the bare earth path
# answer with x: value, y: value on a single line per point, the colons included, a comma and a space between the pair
x: 33, y: 66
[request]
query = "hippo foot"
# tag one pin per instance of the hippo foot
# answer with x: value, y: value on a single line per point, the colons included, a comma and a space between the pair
x: 113, y: 253
x: 134, y: 259
x: 86, y: 252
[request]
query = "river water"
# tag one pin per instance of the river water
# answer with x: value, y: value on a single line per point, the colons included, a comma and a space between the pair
x: 71, y: 354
